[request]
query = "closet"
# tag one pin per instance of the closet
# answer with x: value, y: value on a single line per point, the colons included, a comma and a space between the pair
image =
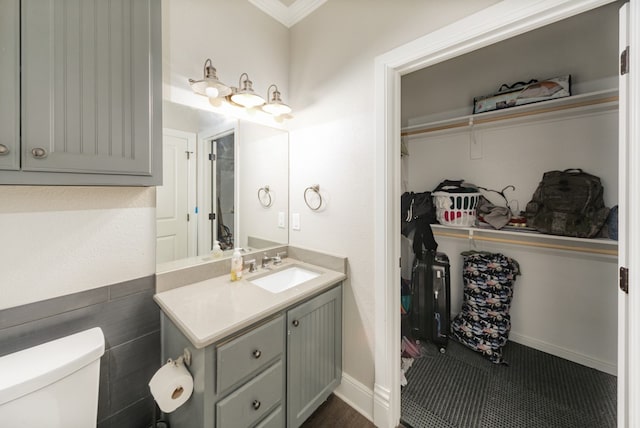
x: 565, y: 301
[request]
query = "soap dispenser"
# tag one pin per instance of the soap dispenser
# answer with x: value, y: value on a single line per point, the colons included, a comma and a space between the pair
x: 216, y: 252
x: 236, y: 265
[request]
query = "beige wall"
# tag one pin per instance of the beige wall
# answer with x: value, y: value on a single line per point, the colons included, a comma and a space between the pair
x: 60, y: 240
x: 331, y: 81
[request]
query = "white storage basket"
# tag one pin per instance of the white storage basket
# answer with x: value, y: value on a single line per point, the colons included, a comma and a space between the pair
x: 456, y: 209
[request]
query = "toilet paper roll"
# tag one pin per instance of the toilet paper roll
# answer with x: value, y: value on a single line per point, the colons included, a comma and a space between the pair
x: 171, y: 386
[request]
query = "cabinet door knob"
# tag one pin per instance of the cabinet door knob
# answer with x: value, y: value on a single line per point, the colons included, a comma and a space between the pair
x: 39, y: 153
x: 257, y: 353
x: 256, y: 404
x: 4, y: 150
x: 295, y: 323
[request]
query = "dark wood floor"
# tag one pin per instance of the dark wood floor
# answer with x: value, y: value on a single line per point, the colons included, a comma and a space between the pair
x: 336, y: 413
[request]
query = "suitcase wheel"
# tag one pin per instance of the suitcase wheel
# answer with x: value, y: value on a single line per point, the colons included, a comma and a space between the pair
x: 443, y: 350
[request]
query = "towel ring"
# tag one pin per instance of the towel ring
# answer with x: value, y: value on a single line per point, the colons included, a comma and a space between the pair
x: 266, y: 194
x: 316, y: 189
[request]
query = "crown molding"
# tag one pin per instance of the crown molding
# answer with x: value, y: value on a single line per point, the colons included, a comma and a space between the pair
x: 287, y: 16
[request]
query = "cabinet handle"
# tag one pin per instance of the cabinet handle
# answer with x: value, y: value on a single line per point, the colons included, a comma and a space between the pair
x: 256, y: 354
x: 4, y: 150
x: 295, y: 323
x: 39, y: 153
x: 256, y: 404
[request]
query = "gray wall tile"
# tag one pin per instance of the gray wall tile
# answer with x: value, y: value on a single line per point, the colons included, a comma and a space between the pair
x: 103, y: 392
x: 138, y: 415
x: 131, y: 367
x: 33, y: 333
x: 121, y: 320
x: 46, y: 308
x: 128, y: 318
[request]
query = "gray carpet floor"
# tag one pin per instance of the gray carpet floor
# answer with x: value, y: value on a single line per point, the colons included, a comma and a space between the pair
x: 461, y: 389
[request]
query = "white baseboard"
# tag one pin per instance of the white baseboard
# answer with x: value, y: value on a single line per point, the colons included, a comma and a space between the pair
x: 356, y: 395
x: 585, y: 360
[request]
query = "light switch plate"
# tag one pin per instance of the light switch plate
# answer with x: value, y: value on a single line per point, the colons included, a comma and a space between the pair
x: 295, y: 221
x: 281, y: 219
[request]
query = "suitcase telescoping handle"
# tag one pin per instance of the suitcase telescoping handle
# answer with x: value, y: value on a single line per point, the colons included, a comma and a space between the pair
x: 436, y: 314
x: 438, y: 284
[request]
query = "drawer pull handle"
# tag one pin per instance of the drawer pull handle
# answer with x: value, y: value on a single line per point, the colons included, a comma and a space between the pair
x: 4, y: 150
x: 39, y: 153
x: 257, y: 354
x: 256, y: 404
x: 295, y: 323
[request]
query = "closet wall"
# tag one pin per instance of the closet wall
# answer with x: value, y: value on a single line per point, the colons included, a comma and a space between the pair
x: 565, y: 301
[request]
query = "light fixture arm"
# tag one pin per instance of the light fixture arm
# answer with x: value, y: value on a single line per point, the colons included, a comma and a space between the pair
x: 207, y: 72
x: 276, y: 93
x: 248, y: 84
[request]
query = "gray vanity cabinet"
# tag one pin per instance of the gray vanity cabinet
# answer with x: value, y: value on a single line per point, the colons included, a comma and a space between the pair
x: 314, y: 354
x: 238, y: 383
x: 270, y: 375
x: 9, y: 85
x: 90, y: 100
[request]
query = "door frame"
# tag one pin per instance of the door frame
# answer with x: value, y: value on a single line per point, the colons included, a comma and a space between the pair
x: 205, y: 187
x: 499, y: 22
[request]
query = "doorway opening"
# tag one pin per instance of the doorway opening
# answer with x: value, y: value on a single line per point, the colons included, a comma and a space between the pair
x: 503, y: 21
x: 219, y: 191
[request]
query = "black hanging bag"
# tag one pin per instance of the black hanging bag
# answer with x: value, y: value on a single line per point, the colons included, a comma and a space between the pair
x: 568, y: 203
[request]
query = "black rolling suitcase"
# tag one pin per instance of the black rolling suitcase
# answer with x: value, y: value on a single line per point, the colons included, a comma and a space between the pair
x: 431, y: 298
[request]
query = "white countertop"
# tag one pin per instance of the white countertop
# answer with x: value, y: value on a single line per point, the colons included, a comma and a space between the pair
x: 211, y: 310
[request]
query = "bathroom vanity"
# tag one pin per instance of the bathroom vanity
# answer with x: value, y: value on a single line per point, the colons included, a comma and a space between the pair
x: 258, y: 358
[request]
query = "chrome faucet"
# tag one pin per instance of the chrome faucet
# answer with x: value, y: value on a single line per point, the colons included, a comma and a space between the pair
x: 265, y: 261
x: 278, y: 258
x: 252, y: 265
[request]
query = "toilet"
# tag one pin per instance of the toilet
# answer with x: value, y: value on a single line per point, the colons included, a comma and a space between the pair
x: 53, y: 385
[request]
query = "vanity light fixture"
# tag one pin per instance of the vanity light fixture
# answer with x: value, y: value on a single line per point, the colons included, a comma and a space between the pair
x: 209, y: 86
x: 245, y: 95
x: 276, y: 107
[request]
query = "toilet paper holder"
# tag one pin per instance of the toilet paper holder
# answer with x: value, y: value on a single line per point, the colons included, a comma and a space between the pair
x: 184, y: 358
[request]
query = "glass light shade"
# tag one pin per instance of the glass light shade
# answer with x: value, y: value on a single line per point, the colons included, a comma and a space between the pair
x: 245, y: 96
x: 276, y: 109
x: 247, y: 99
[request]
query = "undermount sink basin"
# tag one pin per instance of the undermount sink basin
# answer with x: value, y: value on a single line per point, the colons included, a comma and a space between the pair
x: 284, y: 279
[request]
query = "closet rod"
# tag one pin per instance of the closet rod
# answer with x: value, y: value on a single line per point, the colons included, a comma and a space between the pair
x: 530, y: 244
x: 507, y: 116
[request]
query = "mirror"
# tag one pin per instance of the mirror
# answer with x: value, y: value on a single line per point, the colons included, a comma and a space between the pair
x: 224, y: 180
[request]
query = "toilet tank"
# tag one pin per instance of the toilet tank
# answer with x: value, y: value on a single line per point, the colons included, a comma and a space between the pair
x: 53, y: 385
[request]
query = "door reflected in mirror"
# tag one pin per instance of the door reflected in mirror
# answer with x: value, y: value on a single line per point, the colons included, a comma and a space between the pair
x: 224, y: 180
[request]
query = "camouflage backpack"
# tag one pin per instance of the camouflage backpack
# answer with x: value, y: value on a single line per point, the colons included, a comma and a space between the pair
x: 568, y: 203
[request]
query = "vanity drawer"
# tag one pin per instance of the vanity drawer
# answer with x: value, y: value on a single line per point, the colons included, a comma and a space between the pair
x: 274, y: 420
x: 251, y: 402
x: 249, y: 353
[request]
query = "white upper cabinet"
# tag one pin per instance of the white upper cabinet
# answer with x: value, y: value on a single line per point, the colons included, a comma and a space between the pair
x: 90, y: 93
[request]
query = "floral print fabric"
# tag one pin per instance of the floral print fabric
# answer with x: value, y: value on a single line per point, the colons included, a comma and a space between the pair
x: 484, y: 322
